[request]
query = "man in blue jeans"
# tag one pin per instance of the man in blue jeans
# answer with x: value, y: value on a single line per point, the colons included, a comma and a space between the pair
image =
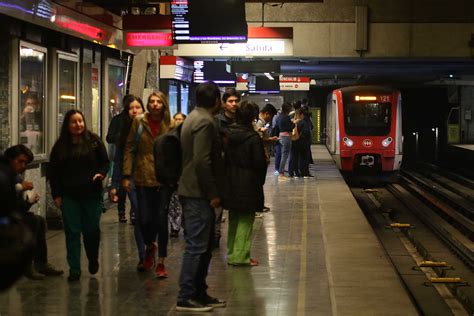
x: 199, y: 196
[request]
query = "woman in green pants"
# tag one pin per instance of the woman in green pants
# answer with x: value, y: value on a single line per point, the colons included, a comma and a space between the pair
x: 78, y: 164
x: 245, y: 170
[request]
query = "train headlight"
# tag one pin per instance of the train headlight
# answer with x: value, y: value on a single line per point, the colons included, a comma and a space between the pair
x: 387, y: 141
x: 348, y: 141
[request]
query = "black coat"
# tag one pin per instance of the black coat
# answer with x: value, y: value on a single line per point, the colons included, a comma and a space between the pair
x: 245, y: 170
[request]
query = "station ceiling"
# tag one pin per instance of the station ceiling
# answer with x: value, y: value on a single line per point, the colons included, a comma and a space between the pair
x: 395, y: 71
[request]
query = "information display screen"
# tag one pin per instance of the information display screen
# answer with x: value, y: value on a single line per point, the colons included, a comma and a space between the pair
x: 212, y: 71
x: 207, y: 21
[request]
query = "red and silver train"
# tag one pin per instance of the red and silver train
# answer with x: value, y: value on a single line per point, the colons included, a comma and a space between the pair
x: 364, y: 128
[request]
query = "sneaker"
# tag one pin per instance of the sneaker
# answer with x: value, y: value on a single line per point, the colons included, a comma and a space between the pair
x: 32, y: 274
x: 48, y: 270
x: 174, y: 233
x: 73, y: 277
x: 93, y: 266
x: 258, y: 215
x: 160, y: 271
x: 140, y: 266
x: 211, y: 301
x: 276, y: 172
x: 192, y: 306
x: 149, y: 256
x: 266, y: 209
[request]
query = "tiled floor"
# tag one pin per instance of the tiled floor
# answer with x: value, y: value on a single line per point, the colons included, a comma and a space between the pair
x: 298, y: 243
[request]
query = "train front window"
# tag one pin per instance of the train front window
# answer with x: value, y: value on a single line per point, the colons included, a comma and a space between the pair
x: 372, y: 119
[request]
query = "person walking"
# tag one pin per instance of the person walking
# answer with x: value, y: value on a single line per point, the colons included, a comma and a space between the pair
x: 245, y: 171
x: 78, y: 164
x: 199, y: 196
x: 133, y: 106
x: 153, y: 197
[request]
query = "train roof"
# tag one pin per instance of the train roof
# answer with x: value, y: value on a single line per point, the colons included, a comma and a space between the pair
x: 375, y: 89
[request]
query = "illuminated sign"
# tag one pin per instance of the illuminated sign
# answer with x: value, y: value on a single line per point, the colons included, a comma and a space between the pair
x: 253, y: 47
x: 378, y: 98
x: 148, y: 39
x: 81, y: 28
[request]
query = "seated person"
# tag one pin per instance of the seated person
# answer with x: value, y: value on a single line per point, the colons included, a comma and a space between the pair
x: 12, y: 165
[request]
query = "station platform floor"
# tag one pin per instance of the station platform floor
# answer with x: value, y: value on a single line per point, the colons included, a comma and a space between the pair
x: 318, y: 256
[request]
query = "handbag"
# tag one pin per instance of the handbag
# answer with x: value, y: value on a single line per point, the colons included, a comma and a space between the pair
x: 295, y: 135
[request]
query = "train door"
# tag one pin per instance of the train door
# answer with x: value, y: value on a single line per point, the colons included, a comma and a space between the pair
x: 454, y: 135
x: 331, y: 124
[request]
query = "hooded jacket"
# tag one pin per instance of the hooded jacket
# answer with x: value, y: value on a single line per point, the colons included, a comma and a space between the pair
x: 245, y: 169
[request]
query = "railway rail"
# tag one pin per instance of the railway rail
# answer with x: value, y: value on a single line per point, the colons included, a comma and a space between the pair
x: 425, y: 222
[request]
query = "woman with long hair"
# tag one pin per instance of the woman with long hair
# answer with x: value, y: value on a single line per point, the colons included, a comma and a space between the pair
x: 132, y: 107
x: 78, y: 164
x: 153, y: 197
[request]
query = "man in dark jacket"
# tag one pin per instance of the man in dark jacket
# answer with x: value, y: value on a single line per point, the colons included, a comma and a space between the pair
x: 230, y: 101
x: 199, y: 196
x: 12, y: 165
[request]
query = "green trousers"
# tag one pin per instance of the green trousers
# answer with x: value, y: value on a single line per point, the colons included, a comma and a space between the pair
x: 239, y: 238
x: 81, y: 216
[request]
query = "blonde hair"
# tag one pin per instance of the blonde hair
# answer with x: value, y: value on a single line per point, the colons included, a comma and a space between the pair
x: 166, y: 107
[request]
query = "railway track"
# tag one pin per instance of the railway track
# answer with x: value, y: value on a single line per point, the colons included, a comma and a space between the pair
x: 427, y: 217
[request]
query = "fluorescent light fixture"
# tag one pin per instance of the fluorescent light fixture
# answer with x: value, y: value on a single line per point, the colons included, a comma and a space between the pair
x: 67, y: 97
x: 267, y: 74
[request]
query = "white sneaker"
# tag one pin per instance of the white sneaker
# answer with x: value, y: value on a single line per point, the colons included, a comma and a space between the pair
x: 258, y: 215
x: 276, y: 172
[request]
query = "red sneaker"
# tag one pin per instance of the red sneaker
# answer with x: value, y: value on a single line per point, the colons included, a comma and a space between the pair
x: 160, y: 271
x: 149, y: 257
x: 253, y: 262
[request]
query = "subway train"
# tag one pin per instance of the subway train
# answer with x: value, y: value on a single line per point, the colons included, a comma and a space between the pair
x: 364, y: 129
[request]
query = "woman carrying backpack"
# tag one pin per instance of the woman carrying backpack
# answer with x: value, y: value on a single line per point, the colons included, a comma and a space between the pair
x: 153, y: 197
x: 132, y: 107
x: 245, y: 171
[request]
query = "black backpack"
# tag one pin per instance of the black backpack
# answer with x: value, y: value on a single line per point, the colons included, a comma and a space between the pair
x: 168, y: 156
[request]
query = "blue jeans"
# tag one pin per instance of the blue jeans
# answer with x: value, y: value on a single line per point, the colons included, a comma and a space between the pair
x: 277, y: 148
x: 152, y: 215
x: 199, y: 231
x: 285, y: 152
x: 132, y: 196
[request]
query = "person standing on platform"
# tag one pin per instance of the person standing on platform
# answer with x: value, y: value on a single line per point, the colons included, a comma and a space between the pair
x: 285, y: 127
x: 199, y: 196
x: 264, y: 120
x: 175, y: 209
x: 245, y: 171
x: 153, y: 197
x: 134, y: 107
x: 78, y: 164
x: 230, y: 102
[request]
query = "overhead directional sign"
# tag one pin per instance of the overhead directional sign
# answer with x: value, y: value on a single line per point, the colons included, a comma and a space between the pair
x: 253, y: 47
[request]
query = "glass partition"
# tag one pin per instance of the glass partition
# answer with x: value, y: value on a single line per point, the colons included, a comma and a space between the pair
x: 67, y: 87
x: 32, y: 97
x: 116, y: 88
